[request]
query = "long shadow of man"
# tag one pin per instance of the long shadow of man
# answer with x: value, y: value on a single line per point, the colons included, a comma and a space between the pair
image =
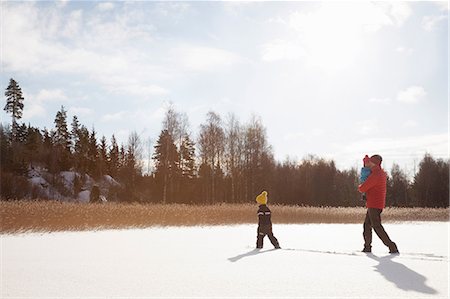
x: 247, y: 254
x: 403, y: 277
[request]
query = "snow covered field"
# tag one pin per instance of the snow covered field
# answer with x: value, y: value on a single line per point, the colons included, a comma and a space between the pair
x: 316, y: 260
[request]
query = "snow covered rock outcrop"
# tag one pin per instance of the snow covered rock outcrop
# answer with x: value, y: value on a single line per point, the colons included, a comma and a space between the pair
x: 67, y: 185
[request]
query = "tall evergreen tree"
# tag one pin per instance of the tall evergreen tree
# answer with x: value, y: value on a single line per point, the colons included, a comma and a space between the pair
x: 92, y: 154
x: 5, y: 148
x: 33, y: 144
x: 113, y: 158
x: 103, y: 156
x: 74, y: 133
x: 22, y: 133
x: 122, y: 157
x: 14, y: 103
x: 80, y: 137
x: 62, y: 135
x: 61, y: 140
x: 166, y: 162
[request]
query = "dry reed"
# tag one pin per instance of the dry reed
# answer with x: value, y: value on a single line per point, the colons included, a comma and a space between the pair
x: 41, y: 216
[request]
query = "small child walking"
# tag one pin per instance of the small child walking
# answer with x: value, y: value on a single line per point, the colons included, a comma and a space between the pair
x: 264, y: 222
x: 365, y: 172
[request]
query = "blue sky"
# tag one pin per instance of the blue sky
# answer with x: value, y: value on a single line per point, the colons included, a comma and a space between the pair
x: 334, y: 79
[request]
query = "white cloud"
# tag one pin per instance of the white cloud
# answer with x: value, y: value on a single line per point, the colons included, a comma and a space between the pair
x: 281, y: 50
x: 159, y: 113
x: 399, y: 11
x: 359, y: 16
x: 122, y: 136
x: 410, y: 124
x: 197, y: 58
x: 412, y: 94
x: 35, y: 105
x: 404, y: 50
x: 62, y: 3
x: 33, y: 110
x: 293, y: 136
x: 430, y: 22
x: 368, y: 127
x: 380, y: 100
x: 121, y: 30
x: 80, y: 111
x: 104, y: 6
x: 443, y: 5
x: 73, y: 24
x: 51, y: 95
x: 333, y: 35
x: 318, y: 132
x: 111, y: 117
x: 236, y: 8
x: 22, y: 44
x: 34, y: 41
x: 174, y: 10
x: 134, y: 86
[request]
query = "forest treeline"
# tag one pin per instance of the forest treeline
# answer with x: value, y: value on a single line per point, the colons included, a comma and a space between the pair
x: 228, y: 162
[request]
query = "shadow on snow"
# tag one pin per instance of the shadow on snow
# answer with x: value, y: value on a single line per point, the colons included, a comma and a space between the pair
x: 403, y: 277
x: 247, y: 254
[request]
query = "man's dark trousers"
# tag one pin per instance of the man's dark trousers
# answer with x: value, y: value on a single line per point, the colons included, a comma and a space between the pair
x: 264, y: 230
x: 373, y: 220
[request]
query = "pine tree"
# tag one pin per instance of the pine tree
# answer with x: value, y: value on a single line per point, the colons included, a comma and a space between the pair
x: 33, y: 143
x: 21, y: 134
x: 74, y: 134
x: 5, y: 148
x: 166, y: 162
x: 134, y: 153
x: 113, y: 158
x: 62, y: 135
x: 14, y: 103
x: 93, y: 155
x: 122, y: 157
x: 81, y: 149
x: 61, y: 140
x: 103, y: 156
x: 20, y: 158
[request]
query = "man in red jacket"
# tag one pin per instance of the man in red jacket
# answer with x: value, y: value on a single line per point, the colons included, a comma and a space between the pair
x: 375, y: 189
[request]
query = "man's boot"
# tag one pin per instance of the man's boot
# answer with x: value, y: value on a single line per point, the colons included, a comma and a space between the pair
x: 393, y: 248
x: 367, y: 249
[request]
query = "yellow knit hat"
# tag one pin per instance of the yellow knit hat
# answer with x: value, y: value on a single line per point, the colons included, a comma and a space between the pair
x: 262, y: 198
